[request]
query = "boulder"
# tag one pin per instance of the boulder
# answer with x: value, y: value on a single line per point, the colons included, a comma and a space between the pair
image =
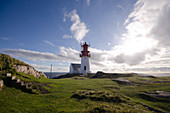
x: 29, y: 70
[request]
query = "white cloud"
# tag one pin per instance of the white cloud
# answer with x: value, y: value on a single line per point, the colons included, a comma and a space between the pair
x: 46, y: 68
x: 145, y: 17
x: 78, y: 28
x: 70, y: 54
x: 147, y: 28
x: 32, y: 55
x: 108, y: 61
x: 109, y: 43
x: 64, y: 19
x: 120, y: 6
x: 88, y: 2
x: 67, y: 36
x: 66, y: 55
x: 49, y: 43
x: 65, y: 14
x: 160, y: 30
x: 5, y: 38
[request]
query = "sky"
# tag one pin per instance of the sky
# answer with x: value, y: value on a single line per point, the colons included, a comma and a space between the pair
x: 125, y: 35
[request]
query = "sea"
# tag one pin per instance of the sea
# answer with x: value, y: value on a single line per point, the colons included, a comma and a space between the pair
x: 156, y: 74
x: 54, y: 74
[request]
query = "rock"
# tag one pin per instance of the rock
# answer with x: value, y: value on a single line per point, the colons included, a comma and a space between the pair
x: 1, y: 84
x: 122, y: 81
x: 158, y: 94
x: 8, y: 74
x: 29, y: 70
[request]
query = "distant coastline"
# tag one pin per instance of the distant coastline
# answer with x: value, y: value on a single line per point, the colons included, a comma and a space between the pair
x: 158, y: 74
x: 161, y: 74
x: 54, y: 74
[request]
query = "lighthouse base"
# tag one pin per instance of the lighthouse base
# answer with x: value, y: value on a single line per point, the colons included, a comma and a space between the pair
x: 85, y: 67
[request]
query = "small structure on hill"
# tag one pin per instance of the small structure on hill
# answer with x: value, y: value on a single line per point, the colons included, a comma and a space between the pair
x: 84, y: 67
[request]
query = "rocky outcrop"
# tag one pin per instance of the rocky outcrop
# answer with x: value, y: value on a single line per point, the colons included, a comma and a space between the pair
x: 29, y: 70
x: 1, y: 84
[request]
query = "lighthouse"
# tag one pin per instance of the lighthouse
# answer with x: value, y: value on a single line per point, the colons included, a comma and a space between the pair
x: 85, y: 66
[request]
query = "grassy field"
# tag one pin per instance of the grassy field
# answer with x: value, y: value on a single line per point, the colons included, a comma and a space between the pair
x: 81, y: 94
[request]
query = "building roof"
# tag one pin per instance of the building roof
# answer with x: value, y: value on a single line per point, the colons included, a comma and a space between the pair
x: 75, y: 66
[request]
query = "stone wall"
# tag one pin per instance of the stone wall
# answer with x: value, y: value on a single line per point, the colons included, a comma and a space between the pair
x: 29, y: 70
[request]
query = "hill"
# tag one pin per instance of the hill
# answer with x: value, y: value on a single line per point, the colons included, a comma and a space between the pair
x: 7, y: 63
x: 12, y: 65
x: 95, y: 95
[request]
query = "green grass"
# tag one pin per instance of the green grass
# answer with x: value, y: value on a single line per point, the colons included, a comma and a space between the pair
x: 59, y: 98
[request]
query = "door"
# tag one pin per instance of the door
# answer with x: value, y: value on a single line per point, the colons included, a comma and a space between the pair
x: 84, y: 67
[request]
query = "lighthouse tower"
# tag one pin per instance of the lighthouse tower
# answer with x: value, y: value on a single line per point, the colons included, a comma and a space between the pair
x: 85, y: 67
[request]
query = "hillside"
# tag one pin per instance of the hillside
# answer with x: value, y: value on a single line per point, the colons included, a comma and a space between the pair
x: 7, y: 63
x: 12, y: 65
x: 81, y: 94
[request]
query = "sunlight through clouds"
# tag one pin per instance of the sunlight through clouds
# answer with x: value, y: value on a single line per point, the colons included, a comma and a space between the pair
x: 143, y: 45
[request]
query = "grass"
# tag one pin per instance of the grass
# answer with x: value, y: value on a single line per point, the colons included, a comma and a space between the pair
x: 99, y: 95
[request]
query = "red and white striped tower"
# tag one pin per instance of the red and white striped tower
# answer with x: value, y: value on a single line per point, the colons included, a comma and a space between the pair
x: 85, y: 66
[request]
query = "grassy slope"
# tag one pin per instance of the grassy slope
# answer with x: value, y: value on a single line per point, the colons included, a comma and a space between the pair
x: 59, y: 99
x: 7, y: 63
x: 134, y: 91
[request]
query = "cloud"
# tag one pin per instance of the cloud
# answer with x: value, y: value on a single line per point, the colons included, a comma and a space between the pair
x: 108, y: 43
x: 148, y: 20
x: 130, y: 59
x: 32, y: 55
x: 88, y: 2
x: 151, y: 70
x: 49, y: 43
x: 120, y: 6
x: 67, y: 36
x: 147, y: 32
x: 5, y: 38
x: 160, y: 30
x: 78, y: 28
x: 66, y: 54
x: 46, y: 68
x: 69, y: 54
x: 109, y: 61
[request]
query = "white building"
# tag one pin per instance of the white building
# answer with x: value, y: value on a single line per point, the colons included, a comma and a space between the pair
x: 84, y: 67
